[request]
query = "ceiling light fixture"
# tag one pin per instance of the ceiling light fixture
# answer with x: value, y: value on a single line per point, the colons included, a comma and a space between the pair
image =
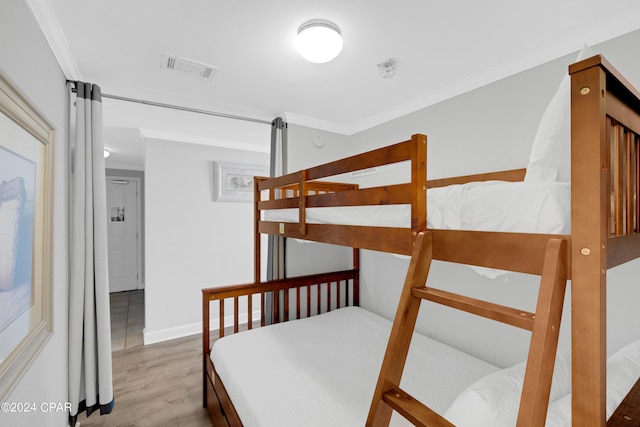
x: 107, y: 153
x: 319, y: 41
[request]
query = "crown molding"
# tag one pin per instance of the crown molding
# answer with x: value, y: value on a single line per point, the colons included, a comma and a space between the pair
x: 192, y: 139
x: 301, y: 120
x: 50, y: 26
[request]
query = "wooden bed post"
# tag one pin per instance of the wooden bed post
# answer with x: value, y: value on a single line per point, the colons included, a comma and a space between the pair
x: 418, y: 184
x: 589, y: 196
x: 256, y: 233
x: 356, y: 280
x: 205, y: 346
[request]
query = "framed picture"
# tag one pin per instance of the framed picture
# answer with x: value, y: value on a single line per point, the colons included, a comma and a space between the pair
x: 26, y: 201
x: 233, y: 182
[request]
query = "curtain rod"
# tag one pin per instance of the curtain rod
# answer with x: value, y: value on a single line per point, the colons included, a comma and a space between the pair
x: 178, y: 107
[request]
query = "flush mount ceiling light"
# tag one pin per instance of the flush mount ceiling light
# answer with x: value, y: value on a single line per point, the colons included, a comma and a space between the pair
x: 319, y: 41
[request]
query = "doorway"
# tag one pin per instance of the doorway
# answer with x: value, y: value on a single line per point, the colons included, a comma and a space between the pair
x: 124, y: 230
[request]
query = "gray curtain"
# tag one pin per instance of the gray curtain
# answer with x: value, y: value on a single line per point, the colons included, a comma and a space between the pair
x: 276, y: 247
x: 90, y: 376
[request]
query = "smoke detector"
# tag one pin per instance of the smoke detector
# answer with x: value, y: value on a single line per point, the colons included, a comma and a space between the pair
x: 387, y: 69
x: 178, y: 63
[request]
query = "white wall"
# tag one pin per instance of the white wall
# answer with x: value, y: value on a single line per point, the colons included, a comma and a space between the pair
x: 26, y: 58
x: 192, y: 242
x: 489, y: 129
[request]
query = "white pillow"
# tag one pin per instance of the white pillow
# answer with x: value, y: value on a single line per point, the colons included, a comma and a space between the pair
x: 559, y: 413
x: 493, y: 401
x: 623, y: 370
x: 550, y: 157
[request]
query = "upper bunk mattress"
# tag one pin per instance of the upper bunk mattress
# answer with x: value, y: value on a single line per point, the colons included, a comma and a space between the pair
x: 525, y: 207
x: 321, y: 371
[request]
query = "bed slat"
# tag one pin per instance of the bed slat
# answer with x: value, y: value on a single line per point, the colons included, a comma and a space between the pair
x: 386, y: 239
x: 492, y: 249
x: 221, y: 311
x: 302, y: 211
x: 385, y: 195
x: 286, y: 305
x: 500, y: 313
x: 382, y: 156
x: 513, y: 175
x: 629, y: 179
x: 235, y: 308
x: 414, y: 410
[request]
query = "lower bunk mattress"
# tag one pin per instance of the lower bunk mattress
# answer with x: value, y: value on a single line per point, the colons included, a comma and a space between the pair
x: 322, y: 370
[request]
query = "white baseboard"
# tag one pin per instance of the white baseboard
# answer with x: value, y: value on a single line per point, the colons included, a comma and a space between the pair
x: 152, y: 337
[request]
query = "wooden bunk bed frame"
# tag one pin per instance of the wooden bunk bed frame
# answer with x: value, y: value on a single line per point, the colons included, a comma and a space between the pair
x: 605, y: 179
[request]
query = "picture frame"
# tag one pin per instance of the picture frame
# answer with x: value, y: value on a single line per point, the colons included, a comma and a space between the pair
x: 26, y: 214
x: 233, y: 182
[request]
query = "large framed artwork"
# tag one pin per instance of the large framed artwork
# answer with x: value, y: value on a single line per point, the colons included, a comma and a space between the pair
x: 233, y: 182
x: 26, y: 201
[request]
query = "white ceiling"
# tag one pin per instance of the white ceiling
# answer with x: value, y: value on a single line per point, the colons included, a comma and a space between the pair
x: 442, y: 48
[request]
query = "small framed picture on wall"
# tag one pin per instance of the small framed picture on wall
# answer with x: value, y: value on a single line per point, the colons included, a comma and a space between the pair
x: 233, y: 182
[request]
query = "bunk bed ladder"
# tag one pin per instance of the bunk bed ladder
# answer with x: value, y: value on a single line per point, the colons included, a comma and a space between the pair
x: 544, y: 325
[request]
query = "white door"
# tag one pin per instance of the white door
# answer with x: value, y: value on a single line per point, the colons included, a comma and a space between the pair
x: 123, y: 234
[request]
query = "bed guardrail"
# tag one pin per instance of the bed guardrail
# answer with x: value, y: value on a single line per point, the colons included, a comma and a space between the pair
x: 327, y: 291
x: 322, y: 292
x: 305, y: 189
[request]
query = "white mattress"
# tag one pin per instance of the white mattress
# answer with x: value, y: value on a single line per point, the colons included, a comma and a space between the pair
x: 321, y: 371
x: 526, y: 207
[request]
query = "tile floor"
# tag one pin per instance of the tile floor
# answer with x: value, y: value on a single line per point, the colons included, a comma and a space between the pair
x: 127, y: 319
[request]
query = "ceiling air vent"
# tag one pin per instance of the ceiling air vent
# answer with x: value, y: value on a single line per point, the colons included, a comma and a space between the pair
x: 173, y: 62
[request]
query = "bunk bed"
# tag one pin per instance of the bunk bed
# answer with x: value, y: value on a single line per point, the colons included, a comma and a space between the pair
x: 604, y: 180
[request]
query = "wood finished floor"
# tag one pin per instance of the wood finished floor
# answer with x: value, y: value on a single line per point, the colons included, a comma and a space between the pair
x: 127, y: 319
x: 156, y: 385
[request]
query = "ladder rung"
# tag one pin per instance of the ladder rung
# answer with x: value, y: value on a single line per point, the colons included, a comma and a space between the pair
x: 500, y: 313
x: 413, y: 410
